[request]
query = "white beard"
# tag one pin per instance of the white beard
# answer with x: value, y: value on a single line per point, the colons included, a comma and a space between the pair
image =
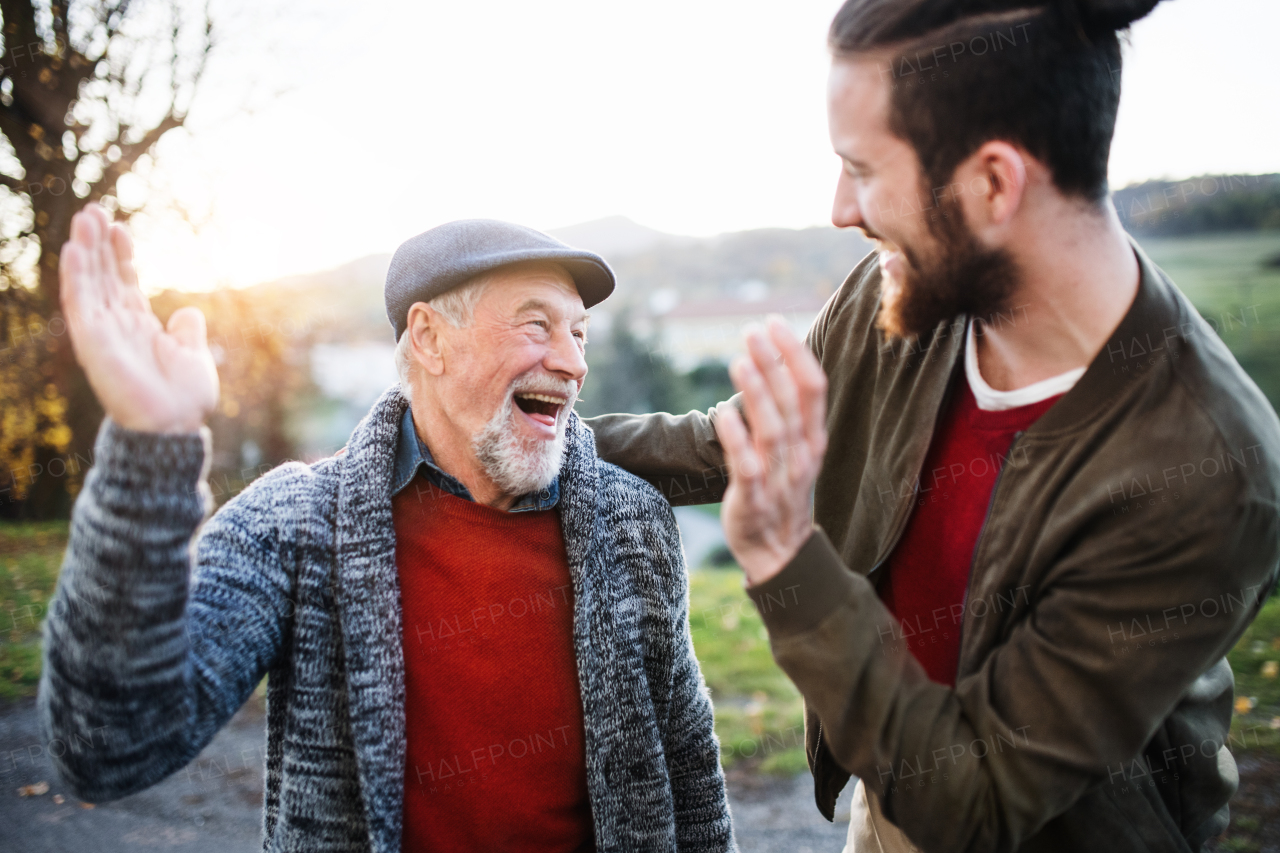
x: 518, y: 467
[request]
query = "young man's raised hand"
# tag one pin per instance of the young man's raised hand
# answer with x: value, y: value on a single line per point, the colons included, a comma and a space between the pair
x: 147, y: 377
x: 768, y: 506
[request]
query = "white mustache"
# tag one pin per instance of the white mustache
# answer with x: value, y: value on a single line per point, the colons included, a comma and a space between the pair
x: 540, y: 383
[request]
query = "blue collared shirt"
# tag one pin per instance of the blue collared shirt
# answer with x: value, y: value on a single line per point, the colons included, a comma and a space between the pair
x: 414, y: 457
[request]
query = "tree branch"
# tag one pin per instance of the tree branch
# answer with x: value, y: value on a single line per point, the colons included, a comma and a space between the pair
x: 129, y: 154
x: 174, y: 117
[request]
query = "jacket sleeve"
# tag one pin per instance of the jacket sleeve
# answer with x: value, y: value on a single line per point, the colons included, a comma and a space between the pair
x: 1056, y: 709
x: 138, y: 674
x: 679, y: 455
x: 689, y: 737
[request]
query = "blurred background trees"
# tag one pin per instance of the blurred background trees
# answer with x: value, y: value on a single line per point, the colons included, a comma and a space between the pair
x: 86, y: 90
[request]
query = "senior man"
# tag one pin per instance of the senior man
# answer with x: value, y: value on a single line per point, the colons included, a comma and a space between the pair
x: 476, y: 632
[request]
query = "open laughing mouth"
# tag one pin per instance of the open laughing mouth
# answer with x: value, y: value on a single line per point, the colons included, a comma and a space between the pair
x: 541, y: 408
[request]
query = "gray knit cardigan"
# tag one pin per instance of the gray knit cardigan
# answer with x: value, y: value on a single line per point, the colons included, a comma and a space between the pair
x: 296, y: 579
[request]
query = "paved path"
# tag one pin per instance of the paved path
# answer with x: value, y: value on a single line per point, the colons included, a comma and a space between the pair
x: 772, y: 815
x: 215, y: 804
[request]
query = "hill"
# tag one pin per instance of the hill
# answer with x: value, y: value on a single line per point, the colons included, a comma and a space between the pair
x: 1200, y: 205
x: 786, y: 261
x: 615, y: 236
x: 340, y: 305
x: 345, y: 304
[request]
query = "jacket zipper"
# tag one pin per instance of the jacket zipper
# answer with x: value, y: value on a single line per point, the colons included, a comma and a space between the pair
x: 900, y: 524
x: 904, y: 512
x: 977, y: 549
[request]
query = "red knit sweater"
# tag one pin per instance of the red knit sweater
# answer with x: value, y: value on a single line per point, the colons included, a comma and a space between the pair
x: 929, y: 567
x: 495, y: 758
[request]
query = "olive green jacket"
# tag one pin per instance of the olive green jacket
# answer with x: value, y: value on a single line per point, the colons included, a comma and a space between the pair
x: 1131, y: 537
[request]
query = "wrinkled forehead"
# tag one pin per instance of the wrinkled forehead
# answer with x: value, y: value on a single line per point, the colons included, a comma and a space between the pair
x: 533, y: 286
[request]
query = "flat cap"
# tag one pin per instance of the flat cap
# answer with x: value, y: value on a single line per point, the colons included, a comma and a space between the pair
x: 449, y: 255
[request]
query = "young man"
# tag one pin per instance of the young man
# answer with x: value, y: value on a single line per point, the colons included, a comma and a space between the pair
x: 476, y: 633
x: 1045, y: 493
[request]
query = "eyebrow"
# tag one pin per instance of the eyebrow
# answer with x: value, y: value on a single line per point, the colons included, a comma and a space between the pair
x: 533, y: 305
x: 541, y: 305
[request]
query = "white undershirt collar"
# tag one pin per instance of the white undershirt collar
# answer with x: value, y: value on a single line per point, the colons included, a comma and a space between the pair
x: 991, y: 400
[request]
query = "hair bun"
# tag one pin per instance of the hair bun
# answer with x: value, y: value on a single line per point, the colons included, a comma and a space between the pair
x: 1112, y: 14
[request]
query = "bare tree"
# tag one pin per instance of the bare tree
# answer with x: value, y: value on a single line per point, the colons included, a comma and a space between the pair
x: 86, y: 91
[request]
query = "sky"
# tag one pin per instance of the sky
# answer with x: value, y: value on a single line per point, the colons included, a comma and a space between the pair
x: 323, y: 132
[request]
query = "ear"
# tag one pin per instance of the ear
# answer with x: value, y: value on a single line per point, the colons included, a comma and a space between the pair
x: 426, y: 331
x: 994, y: 181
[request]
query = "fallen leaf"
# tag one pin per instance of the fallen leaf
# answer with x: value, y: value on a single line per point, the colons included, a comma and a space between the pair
x: 37, y: 790
x: 59, y: 799
x: 1270, y: 669
x: 86, y: 805
x: 1243, y: 704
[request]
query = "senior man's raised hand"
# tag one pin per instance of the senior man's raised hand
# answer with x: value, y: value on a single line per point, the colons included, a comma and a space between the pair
x: 768, y: 506
x: 146, y: 377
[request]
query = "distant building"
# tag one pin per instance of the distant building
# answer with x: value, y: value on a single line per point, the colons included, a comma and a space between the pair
x: 692, y: 333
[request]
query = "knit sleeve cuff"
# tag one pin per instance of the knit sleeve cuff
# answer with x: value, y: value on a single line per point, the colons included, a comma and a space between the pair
x: 806, y: 591
x: 152, y: 470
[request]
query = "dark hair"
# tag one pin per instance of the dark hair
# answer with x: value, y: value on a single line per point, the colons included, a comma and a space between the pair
x: 1045, y: 76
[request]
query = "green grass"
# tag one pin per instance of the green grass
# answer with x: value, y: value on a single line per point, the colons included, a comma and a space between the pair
x: 1258, y: 685
x: 30, y: 557
x: 1225, y: 277
x: 758, y: 713
x: 1208, y: 267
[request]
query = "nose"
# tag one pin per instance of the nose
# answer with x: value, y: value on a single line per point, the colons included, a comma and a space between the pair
x: 565, y: 356
x: 845, y: 212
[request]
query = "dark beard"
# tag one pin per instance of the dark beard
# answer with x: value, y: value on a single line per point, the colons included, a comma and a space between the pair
x: 960, y: 277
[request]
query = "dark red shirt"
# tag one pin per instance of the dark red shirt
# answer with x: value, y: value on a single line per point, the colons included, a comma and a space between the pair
x: 928, y: 571
x: 495, y: 756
